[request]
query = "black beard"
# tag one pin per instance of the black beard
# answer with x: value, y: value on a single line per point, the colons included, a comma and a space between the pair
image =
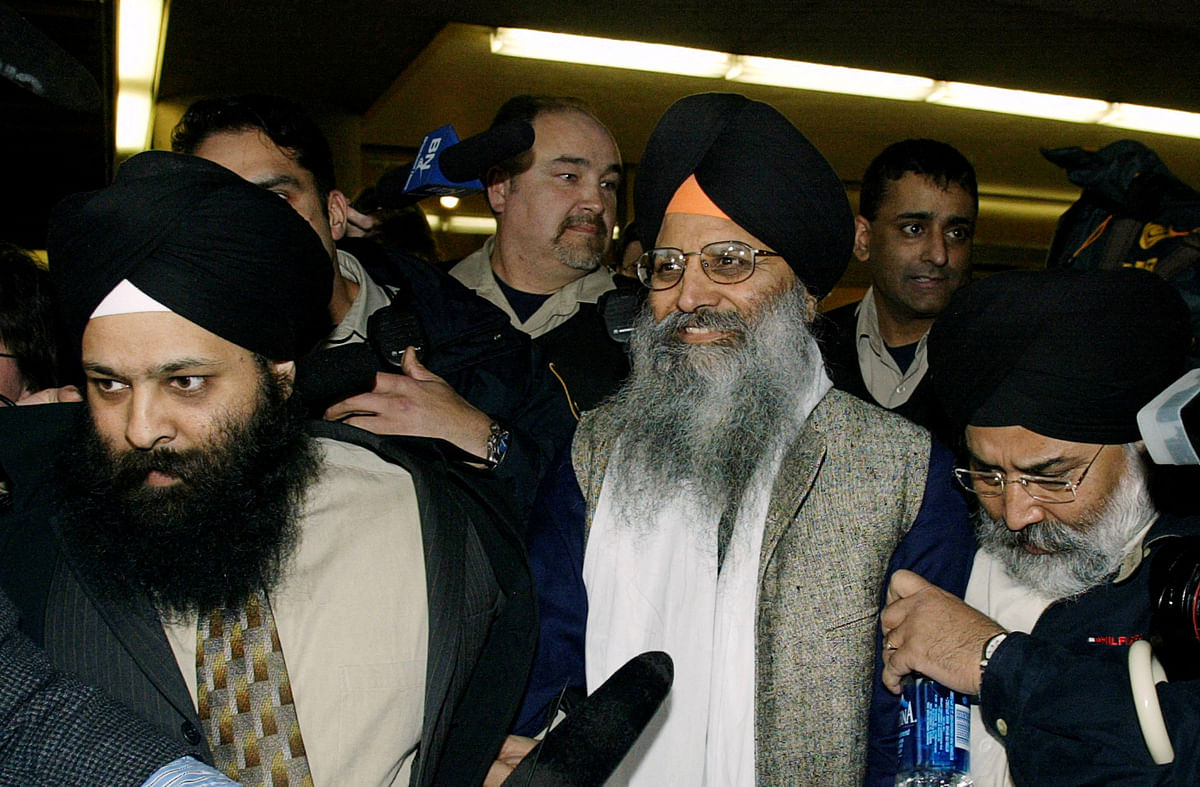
x: 223, y: 531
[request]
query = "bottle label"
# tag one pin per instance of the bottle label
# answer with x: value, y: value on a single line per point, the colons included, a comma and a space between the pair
x: 935, y: 728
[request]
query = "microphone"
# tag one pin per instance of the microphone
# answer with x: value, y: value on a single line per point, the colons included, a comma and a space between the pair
x: 474, y: 156
x: 445, y: 166
x: 589, y: 744
x: 325, y: 377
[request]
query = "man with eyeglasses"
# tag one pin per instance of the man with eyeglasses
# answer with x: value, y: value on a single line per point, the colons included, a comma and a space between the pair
x: 1045, y: 372
x: 743, y: 515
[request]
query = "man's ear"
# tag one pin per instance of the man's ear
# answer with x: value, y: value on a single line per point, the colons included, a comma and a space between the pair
x: 338, y: 205
x: 862, y: 239
x: 285, y: 373
x: 499, y: 184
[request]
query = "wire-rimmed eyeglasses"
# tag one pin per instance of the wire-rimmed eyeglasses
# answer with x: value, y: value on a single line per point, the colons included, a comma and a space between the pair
x: 724, y: 262
x: 1043, y: 488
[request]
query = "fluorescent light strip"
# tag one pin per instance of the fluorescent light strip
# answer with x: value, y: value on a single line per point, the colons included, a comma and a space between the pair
x: 1019, y: 102
x: 1156, y: 119
x: 610, y: 52
x: 139, y: 37
x: 837, y: 79
x: 464, y: 225
x: 830, y: 79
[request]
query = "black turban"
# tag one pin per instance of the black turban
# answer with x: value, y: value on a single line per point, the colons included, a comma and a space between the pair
x: 1071, y: 355
x: 760, y: 171
x: 215, y: 249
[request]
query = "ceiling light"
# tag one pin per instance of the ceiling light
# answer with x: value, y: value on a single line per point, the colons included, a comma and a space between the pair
x: 1018, y: 102
x: 830, y: 79
x: 449, y: 202
x: 133, y: 120
x: 1155, y: 119
x: 610, y: 52
x: 838, y: 79
x: 139, y: 46
x: 463, y: 225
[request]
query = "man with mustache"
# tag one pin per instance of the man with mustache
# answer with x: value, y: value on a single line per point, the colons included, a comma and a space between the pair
x: 914, y: 232
x: 555, y: 206
x: 482, y: 386
x: 293, y: 602
x: 742, y: 515
x: 1044, y: 372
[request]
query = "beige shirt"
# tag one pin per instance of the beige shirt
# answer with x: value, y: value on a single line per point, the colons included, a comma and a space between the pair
x: 475, y: 271
x: 888, y: 385
x: 353, y: 619
x: 370, y: 298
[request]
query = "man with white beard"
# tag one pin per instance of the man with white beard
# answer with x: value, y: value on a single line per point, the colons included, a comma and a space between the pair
x: 743, y: 516
x: 1045, y: 373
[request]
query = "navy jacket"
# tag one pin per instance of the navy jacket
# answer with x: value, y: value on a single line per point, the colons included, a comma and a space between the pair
x: 1063, y: 691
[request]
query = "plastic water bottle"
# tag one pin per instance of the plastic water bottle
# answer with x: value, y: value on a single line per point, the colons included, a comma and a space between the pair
x: 935, y: 736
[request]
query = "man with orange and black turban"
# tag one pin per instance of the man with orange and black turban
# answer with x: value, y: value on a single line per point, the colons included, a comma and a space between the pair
x: 743, y: 515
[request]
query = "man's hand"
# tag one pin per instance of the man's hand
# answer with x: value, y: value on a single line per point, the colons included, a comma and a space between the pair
x: 419, y: 403
x: 68, y: 393
x: 511, y: 753
x: 360, y: 225
x: 927, y: 630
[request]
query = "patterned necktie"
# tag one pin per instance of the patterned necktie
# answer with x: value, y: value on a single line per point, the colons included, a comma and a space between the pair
x: 244, y: 697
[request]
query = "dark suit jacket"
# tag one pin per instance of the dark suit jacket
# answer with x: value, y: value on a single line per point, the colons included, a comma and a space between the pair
x: 482, y: 623
x: 56, y: 731
x: 837, y: 333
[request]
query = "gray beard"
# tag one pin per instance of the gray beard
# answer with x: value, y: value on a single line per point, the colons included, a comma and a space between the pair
x: 703, y: 420
x: 1084, y: 553
x: 586, y: 257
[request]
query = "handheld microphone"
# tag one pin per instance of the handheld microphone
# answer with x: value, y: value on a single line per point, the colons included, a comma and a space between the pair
x: 445, y: 166
x: 474, y: 156
x: 585, y: 749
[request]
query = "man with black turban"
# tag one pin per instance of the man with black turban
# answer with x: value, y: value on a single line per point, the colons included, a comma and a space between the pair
x: 742, y: 515
x: 270, y: 593
x: 1044, y: 374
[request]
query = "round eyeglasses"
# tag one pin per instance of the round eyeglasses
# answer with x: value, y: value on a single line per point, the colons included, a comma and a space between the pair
x: 1042, y: 488
x: 723, y: 262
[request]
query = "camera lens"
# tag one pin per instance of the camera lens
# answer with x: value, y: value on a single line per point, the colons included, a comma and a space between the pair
x: 1175, y: 593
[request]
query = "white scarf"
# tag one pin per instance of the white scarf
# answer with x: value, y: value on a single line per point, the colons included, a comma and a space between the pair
x: 655, y: 586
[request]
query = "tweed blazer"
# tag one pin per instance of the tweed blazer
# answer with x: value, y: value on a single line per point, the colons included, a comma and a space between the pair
x: 849, y: 487
x: 56, y: 731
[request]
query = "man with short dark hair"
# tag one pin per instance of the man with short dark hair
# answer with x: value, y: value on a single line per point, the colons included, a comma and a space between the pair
x: 914, y: 231
x: 482, y: 386
x: 1044, y: 373
x: 271, y: 593
x: 555, y: 207
x: 742, y: 515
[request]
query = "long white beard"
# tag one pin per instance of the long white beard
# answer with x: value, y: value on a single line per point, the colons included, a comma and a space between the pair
x: 1083, y: 553
x: 702, y: 419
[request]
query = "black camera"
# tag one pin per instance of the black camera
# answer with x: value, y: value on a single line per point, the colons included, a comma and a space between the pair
x: 1175, y: 599
x: 1170, y: 426
x: 391, y: 330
